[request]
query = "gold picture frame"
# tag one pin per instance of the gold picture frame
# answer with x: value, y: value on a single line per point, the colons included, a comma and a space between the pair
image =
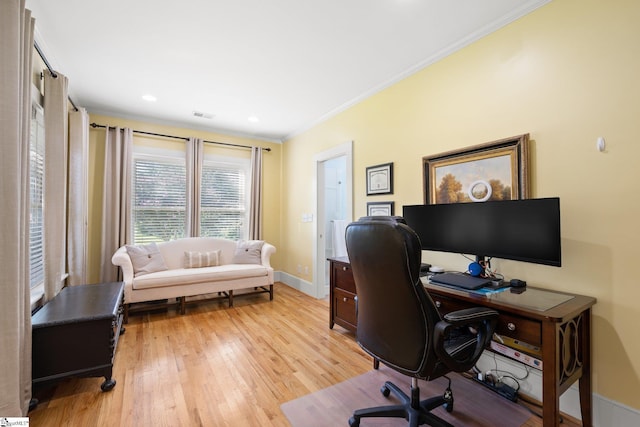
x: 497, y: 170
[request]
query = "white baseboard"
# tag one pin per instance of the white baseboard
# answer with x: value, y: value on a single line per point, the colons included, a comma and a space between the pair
x: 606, y: 412
x: 295, y: 282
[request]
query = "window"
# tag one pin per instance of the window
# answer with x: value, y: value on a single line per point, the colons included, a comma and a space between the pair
x: 36, y: 202
x: 159, y: 197
x: 224, y: 202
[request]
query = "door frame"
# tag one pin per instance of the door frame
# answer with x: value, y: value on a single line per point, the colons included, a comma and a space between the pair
x: 345, y: 149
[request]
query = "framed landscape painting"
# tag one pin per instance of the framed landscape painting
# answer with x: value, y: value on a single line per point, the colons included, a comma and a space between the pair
x: 494, y: 171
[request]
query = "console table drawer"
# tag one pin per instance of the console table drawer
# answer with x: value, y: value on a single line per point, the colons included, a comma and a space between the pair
x: 519, y: 328
x: 344, y: 277
x: 447, y: 305
x: 344, y: 305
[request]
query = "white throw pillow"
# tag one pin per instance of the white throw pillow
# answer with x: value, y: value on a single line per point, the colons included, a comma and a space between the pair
x: 201, y: 259
x: 248, y: 252
x: 145, y: 259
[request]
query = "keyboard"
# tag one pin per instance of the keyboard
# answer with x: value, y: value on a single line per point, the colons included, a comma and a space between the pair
x: 460, y: 280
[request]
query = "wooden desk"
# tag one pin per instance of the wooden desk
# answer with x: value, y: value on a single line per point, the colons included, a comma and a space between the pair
x: 76, y: 334
x: 556, y: 326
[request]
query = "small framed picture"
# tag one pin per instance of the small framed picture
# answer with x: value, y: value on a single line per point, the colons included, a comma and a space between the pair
x: 380, y: 179
x: 380, y: 208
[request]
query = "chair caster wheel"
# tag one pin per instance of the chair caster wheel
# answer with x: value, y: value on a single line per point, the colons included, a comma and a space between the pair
x: 385, y: 391
x: 448, y: 397
x: 353, y: 422
x: 448, y: 406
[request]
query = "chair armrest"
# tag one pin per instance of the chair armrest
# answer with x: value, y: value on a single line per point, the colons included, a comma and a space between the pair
x: 121, y: 259
x: 468, y: 315
x: 265, y: 256
x: 473, y: 326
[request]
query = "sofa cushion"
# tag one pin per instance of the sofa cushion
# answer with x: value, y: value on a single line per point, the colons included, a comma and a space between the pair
x: 145, y: 259
x: 186, y: 276
x: 194, y: 259
x: 248, y: 252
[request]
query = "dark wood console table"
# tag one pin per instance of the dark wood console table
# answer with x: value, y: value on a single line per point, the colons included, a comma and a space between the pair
x: 76, y: 334
x: 342, y: 292
x: 554, y: 327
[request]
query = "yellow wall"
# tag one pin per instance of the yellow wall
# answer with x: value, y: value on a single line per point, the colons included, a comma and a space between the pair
x: 271, y: 161
x: 566, y: 74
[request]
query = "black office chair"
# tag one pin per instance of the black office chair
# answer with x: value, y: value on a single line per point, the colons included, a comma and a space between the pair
x: 398, y: 323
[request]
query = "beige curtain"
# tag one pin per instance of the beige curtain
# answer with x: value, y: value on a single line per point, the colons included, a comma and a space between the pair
x: 78, y: 196
x: 255, y: 205
x: 55, y: 182
x: 195, y: 153
x: 116, y: 207
x: 16, y: 47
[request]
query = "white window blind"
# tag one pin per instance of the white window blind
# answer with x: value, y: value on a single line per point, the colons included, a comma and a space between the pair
x: 159, y: 198
x: 36, y: 189
x: 224, y: 202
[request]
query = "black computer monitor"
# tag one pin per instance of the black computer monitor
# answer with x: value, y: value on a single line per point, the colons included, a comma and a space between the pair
x: 522, y: 230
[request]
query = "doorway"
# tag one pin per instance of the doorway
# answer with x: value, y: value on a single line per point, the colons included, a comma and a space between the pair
x: 334, y: 208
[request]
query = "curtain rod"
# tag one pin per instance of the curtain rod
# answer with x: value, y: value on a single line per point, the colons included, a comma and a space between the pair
x: 228, y: 144
x: 51, y: 70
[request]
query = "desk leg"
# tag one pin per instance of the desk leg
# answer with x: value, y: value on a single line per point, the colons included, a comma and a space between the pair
x: 586, y: 399
x: 550, y: 375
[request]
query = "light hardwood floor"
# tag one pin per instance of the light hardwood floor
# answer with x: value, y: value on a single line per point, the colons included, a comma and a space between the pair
x: 214, y: 366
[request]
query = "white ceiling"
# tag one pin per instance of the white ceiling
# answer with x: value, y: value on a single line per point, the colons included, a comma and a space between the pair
x: 290, y: 63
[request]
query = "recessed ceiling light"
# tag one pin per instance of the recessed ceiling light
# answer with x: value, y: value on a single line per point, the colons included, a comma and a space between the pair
x: 253, y: 119
x: 149, y: 98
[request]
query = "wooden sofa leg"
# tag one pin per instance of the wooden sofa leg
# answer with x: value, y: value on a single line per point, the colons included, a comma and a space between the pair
x: 125, y: 318
x: 230, y: 298
x: 270, y: 292
x: 182, y: 305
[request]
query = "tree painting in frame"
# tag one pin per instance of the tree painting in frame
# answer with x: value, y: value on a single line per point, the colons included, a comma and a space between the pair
x: 380, y: 179
x: 494, y: 171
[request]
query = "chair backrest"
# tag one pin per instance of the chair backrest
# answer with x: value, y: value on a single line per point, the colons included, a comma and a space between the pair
x: 395, y: 314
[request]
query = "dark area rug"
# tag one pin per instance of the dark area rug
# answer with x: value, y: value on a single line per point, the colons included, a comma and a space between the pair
x: 474, y: 405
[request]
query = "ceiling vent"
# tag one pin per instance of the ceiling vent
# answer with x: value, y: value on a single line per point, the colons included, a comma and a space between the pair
x: 203, y: 115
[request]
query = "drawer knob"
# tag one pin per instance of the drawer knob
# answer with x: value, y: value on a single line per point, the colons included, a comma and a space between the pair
x: 345, y: 299
x: 511, y: 326
x: 438, y: 304
x: 344, y: 268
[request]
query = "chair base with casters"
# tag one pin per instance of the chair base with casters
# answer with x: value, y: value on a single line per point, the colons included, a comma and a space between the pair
x: 411, y: 408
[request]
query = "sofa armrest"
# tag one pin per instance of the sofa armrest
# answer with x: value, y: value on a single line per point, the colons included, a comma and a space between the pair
x: 121, y: 259
x: 267, y: 250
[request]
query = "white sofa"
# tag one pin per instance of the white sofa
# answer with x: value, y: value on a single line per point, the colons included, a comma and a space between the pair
x: 178, y: 282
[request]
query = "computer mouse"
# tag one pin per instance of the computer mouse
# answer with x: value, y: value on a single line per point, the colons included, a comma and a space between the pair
x: 517, y: 283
